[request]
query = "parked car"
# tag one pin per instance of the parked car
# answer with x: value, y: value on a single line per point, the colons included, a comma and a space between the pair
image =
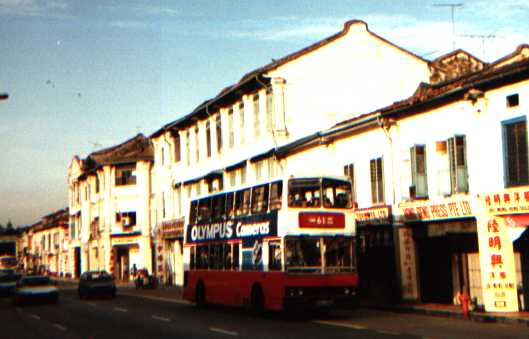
x: 35, y: 288
x: 96, y: 283
x: 8, y: 282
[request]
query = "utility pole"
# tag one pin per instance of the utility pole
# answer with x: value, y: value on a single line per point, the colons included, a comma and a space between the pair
x: 452, y: 6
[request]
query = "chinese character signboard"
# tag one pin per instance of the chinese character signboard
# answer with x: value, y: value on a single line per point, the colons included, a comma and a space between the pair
x: 498, y: 273
x: 407, y: 264
x: 373, y: 216
x: 510, y: 201
x: 426, y: 211
x: 172, y: 229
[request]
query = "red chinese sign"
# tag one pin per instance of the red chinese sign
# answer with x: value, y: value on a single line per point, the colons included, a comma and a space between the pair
x: 436, y: 211
x: 321, y: 220
x: 407, y: 264
x: 507, y: 202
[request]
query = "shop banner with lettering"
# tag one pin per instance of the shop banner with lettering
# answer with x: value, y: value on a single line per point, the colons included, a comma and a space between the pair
x: 408, y: 264
x: 498, y: 274
x: 436, y: 210
x: 254, y: 227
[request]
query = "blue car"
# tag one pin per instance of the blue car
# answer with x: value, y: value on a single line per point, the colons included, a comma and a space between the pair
x: 35, y: 289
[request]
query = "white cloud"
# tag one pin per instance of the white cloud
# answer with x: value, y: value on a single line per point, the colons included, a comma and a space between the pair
x: 32, y: 7
x: 142, y: 9
x: 429, y: 38
x: 128, y: 24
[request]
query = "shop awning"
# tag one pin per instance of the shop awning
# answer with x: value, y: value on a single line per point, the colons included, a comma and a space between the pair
x: 516, y: 225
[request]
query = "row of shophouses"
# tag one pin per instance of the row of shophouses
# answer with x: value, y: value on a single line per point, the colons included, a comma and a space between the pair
x: 437, y: 152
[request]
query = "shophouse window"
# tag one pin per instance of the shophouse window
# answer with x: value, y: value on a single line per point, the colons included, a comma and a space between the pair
x: 127, y: 219
x: 272, y: 166
x: 162, y: 155
x: 197, y: 144
x: 177, y: 147
x: 72, y: 228
x: 243, y: 175
x: 515, y: 152
x: 256, y: 127
x: 230, y: 211
x: 269, y: 109
x: 232, y: 176
x: 349, y: 171
x: 231, y: 133
x: 241, y: 121
x: 377, y: 181
x: 126, y: 175
x: 188, y: 148
x: 419, y: 188
x: 163, y: 205
x: 258, y: 170
x: 208, y: 139
x: 457, y: 159
x: 97, y: 183
x: 218, y: 125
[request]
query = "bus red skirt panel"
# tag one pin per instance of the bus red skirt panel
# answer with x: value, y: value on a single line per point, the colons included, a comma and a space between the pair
x: 279, y: 289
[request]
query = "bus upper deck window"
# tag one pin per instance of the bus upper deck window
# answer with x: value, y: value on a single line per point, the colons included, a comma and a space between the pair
x: 204, y: 210
x: 336, y: 193
x: 193, y: 213
x: 260, y: 199
x: 219, y: 207
x: 304, y: 193
x: 276, y: 190
x: 229, y: 205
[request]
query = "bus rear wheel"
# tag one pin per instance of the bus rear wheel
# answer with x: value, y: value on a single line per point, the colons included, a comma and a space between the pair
x: 200, y: 295
x: 257, y: 299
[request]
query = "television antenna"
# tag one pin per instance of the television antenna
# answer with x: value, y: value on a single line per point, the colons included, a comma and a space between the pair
x: 95, y: 144
x: 483, y: 38
x: 452, y: 6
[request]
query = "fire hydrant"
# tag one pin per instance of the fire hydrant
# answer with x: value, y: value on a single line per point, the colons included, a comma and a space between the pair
x: 464, y: 300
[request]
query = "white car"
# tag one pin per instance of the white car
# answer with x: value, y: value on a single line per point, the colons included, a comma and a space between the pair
x: 36, y: 288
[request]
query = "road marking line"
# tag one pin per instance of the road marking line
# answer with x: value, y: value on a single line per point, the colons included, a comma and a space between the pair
x: 60, y: 327
x: 119, y: 309
x: 332, y: 323
x: 220, y: 330
x: 34, y: 316
x: 176, y: 301
x: 157, y: 317
x: 387, y: 332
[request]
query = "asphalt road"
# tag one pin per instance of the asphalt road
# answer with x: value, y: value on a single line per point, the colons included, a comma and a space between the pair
x: 132, y: 316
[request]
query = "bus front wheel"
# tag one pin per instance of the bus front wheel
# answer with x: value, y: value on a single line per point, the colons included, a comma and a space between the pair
x: 200, y: 295
x: 257, y: 299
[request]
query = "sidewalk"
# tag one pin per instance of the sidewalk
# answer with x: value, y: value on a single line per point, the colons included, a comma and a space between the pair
x: 453, y: 311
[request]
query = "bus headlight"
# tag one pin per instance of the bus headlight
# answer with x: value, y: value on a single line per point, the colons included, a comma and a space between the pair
x: 300, y: 291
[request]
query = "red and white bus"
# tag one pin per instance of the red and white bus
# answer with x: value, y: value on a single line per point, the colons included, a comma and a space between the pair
x: 273, y: 248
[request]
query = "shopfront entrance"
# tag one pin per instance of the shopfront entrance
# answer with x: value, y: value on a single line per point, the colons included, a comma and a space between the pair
x: 376, y: 255
x: 521, y: 247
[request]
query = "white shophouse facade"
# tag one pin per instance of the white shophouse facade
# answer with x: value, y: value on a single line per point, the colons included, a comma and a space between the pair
x: 441, y: 182
x: 109, y: 197
x: 352, y: 71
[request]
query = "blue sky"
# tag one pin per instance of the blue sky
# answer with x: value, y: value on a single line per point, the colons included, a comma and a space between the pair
x: 82, y: 75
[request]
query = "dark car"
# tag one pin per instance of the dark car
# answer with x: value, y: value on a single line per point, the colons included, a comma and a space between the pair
x: 96, y: 283
x: 36, y: 288
x: 8, y: 282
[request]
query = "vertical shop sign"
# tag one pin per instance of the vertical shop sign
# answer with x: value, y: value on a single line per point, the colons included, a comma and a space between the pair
x: 498, y: 273
x: 407, y: 264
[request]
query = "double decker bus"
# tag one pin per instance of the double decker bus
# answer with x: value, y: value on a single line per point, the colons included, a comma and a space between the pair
x: 277, y: 245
